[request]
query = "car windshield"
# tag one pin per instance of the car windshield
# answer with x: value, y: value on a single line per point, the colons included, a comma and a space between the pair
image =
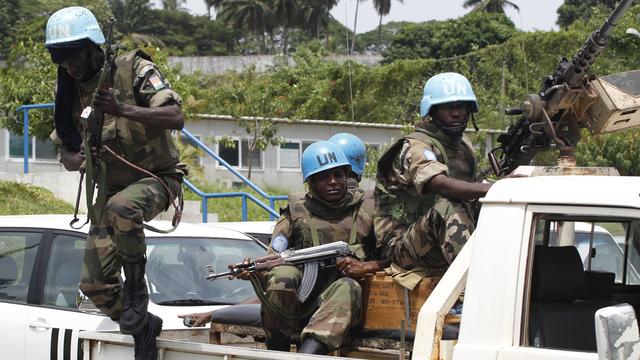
x: 177, y: 270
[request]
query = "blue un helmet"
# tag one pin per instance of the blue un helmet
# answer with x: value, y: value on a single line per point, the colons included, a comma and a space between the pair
x: 446, y: 88
x: 353, y: 149
x: 320, y: 156
x: 72, y: 24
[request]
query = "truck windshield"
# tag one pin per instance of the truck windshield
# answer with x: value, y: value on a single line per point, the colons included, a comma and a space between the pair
x: 177, y: 270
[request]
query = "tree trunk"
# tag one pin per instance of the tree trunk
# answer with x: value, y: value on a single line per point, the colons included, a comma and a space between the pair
x: 355, y: 23
x: 285, y: 41
x: 380, y: 34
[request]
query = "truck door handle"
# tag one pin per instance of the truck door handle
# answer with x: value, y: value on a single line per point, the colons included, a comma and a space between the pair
x: 39, y: 325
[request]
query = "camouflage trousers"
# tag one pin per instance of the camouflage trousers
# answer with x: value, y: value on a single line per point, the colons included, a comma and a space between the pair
x: 339, y: 308
x: 119, y: 237
x: 433, y: 241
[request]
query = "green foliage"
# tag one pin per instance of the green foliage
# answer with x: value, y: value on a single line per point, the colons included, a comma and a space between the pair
x: 21, y: 199
x: 490, y: 6
x: 28, y: 78
x: 182, y: 34
x: 9, y: 10
x: 580, y: 10
x: 443, y: 39
x: 131, y: 15
x: 618, y: 150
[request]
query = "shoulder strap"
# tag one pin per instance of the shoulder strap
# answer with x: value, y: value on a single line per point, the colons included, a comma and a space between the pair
x: 423, y: 136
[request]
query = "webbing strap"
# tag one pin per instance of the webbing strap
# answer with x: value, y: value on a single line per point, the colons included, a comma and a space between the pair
x: 314, y: 230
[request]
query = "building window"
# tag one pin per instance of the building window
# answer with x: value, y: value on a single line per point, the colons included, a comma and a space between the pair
x: 250, y: 157
x: 229, y: 152
x: 238, y: 156
x: 291, y: 153
x: 45, y: 149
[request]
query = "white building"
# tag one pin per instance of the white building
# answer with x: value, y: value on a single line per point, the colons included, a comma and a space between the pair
x: 277, y: 165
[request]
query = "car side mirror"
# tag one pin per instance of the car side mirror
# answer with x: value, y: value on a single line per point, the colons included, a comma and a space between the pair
x: 617, y: 336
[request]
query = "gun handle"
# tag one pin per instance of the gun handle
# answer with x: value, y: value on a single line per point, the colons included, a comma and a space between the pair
x: 493, y: 161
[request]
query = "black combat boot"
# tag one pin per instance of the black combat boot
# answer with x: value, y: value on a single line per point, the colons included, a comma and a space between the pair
x: 145, y: 340
x: 279, y: 343
x: 312, y: 346
x: 134, y: 311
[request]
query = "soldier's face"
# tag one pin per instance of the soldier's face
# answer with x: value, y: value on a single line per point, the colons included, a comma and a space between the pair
x: 453, y: 114
x: 79, y: 65
x: 329, y: 185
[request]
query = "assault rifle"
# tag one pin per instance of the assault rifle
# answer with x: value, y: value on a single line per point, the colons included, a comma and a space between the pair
x: 554, y: 116
x: 312, y: 258
x: 93, y: 122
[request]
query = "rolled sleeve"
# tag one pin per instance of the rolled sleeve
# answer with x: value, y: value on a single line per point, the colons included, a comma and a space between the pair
x: 152, y: 88
x: 422, y: 169
x: 283, y: 226
x: 163, y: 97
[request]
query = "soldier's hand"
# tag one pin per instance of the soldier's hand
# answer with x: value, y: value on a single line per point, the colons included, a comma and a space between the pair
x: 106, y: 102
x: 244, y: 274
x: 72, y: 161
x: 351, y: 267
x: 196, y: 319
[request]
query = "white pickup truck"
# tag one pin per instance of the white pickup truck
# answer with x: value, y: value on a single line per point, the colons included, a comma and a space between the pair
x: 530, y: 284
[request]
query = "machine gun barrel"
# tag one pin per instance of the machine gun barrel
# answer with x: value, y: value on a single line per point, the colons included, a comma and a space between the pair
x: 594, y: 46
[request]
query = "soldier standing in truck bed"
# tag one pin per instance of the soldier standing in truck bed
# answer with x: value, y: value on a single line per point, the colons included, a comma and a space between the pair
x: 140, y: 110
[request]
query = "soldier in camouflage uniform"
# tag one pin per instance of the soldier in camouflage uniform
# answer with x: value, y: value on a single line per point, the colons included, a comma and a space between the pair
x: 140, y: 110
x: 327, y: 213
x: 426, y: 182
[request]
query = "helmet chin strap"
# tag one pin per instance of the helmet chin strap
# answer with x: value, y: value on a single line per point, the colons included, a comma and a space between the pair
x: 453, y: 131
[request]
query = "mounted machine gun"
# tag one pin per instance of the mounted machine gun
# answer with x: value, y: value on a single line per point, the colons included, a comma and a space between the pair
x: 569, y: 100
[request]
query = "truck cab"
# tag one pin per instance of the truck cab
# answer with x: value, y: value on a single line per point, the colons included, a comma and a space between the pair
x: 537, y: 269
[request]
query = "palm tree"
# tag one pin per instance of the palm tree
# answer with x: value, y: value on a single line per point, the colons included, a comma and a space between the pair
x: 355, y: 22
x: 383, y: 7
x: 490, y: 6
x: 252, y: 15
x: 173, y: 5
x: 315, y: 14
x: 212, y: 4
x: 284, y: 13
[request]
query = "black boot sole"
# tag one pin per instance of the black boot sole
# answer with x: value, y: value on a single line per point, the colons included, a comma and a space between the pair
x: 155, y: 323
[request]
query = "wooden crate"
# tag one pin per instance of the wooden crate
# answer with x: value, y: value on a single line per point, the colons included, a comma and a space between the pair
x: 384, y: 301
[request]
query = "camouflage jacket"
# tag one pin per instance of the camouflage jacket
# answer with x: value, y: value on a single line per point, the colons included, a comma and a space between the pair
x: 411, y: 162
x: 136, y: 81
x: 308, y: 221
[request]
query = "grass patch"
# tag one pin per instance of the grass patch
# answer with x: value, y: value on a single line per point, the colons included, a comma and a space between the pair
x: 22, y: 199
x: 230, y: 209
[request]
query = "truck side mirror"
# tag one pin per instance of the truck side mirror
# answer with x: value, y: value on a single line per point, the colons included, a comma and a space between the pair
x: 617, y: 336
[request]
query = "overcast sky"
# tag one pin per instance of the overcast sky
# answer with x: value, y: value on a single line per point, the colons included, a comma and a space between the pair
x: 533, y: 15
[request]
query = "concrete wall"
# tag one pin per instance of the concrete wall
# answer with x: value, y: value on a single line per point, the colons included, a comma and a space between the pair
x: 220, y: 64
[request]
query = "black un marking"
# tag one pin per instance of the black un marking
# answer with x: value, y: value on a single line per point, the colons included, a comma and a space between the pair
x: 327, y: 158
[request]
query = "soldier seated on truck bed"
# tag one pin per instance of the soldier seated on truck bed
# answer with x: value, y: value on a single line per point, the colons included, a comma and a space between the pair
x: 328, y: 212
x: 426, y: 182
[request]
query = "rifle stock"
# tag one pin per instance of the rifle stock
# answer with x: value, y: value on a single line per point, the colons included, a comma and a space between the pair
x: 554, y: 116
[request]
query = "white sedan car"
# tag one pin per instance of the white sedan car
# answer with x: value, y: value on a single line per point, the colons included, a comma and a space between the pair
x: 40, y: 265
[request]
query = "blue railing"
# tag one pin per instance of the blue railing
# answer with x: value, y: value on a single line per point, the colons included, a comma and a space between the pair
x: 273, y: 214
x: 25, y: 130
